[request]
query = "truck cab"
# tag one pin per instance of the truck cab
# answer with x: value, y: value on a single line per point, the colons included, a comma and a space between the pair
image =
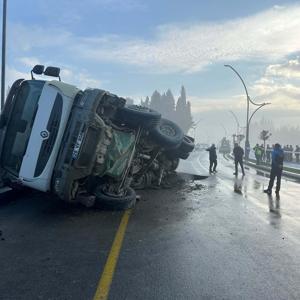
x: 32, y: 125
x: 53, y: 136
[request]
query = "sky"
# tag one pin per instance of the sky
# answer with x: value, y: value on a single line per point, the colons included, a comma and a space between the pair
x: 133, y: 47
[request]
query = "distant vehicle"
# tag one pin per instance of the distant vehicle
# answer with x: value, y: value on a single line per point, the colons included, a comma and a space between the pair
x: 84, y: 146
x: 225, y: 146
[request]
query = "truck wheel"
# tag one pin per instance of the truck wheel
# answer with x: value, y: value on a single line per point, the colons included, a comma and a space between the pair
x: 141, y: 182
x: 167, y: 134
x: 184, y: 155
x: 184, y: 150
x: 136, y: 115
x: 187, y: 144
x: 115, y: 202
x: 174, y: 164
x: 178, y: 154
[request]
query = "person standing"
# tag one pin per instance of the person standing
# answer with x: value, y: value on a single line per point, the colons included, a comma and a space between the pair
x: 238, y: 153
x: 212, y: 158
x: 276, y: 169
x: 297, y: 152
x: 257, y: 152
x: 291, y: 149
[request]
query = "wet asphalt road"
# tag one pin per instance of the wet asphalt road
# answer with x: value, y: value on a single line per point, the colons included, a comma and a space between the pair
x: 219, y: 238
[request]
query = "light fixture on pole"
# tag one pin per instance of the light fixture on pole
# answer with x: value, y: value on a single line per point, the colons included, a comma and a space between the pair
x: 259, y: 105
x: 194, y: 127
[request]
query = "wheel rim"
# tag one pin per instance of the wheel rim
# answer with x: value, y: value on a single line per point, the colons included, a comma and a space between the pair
x: 187, y: 140
x: 167, y: 130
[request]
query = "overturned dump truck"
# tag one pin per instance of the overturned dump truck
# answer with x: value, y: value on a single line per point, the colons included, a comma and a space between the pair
x: 84, y: 146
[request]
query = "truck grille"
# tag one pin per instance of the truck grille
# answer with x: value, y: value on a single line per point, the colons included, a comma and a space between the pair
x: 52, y: 127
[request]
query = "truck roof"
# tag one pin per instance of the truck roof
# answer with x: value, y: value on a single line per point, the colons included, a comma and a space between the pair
x: 66, y: 89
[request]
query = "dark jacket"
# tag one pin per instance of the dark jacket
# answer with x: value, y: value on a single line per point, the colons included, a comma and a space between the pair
x: 277, y: 158
x: 238, y: 153
x: 212, y: 153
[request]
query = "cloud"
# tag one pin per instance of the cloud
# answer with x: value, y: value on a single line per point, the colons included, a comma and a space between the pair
x: 29, y: 61
x: 76, y: 76
x: 24, y: 39
x: 267, y: 36
x: 80, y: 78
x: 280, y: 85
x: 202, y: 105
x: 290, y: 69
x: 13, y: 74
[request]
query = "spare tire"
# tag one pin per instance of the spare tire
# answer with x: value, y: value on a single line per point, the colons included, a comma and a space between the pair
x: 115, y: 202
x: 167, y: 134
x: 134, y: 116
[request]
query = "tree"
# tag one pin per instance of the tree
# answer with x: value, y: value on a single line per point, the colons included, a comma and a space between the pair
x: 129, y: 101
x: 183, y: 112
x: 170, y: 105
x: 265, y: 135
x: 155, y: 101
x: 145, y: 103
x: 181, y: 102
x: 165, y: 104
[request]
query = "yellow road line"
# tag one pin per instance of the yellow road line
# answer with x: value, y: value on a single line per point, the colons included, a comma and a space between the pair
x: 109, y: 269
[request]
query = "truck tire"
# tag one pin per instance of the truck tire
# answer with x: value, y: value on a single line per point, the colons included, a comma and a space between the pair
x: 184, y: 155
x: 174, y: 153
x: 115, y: 202
x: 174, y: 164
x: 187, y: 144
x: 141, y: 182
x: 184, y: 150
x: 167, y: 134
x: 134, y: 116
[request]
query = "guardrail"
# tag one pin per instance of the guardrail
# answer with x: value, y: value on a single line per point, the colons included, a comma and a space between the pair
x: 287, y: 171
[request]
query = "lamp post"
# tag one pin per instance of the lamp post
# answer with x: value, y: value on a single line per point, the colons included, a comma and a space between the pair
x: 225, y: 131
x: 259, y: 105
x: 237, y: 121
x: 3, y: 54
x: 194, y: 127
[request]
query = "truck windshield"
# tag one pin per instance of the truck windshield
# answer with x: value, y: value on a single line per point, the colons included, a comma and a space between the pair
x: 20, y: 124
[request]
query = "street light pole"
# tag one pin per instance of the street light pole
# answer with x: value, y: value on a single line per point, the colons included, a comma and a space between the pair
x: 237, y: 122
x: 3, y: 54
x: 195, y: 125
x: 260, y: 105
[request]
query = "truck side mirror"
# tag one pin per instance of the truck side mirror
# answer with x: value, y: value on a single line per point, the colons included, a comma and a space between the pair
x: 52, y: 71
x: 37, y: 69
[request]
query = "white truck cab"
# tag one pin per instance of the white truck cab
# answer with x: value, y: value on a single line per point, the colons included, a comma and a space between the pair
x: 32, y: 128
x: 54, y: 106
